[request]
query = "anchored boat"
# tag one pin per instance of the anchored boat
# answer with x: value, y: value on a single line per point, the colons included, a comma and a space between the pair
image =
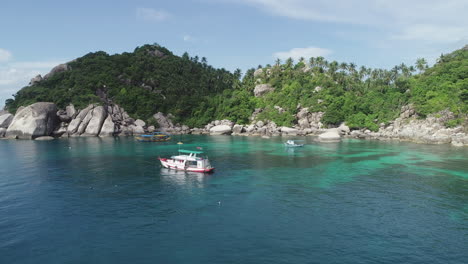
x: 187, y: 160
x: 153, y: 137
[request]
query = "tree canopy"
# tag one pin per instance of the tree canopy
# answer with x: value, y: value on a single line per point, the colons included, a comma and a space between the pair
x: 152, y: 79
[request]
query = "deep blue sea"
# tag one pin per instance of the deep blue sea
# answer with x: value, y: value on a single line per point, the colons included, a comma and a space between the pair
x: 107, y: 200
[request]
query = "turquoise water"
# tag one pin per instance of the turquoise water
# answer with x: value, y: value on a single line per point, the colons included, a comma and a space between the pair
x: 91, y: 200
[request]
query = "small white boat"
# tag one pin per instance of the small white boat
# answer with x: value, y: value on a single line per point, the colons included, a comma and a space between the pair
x: 187, y: 160
x: 292, y: 143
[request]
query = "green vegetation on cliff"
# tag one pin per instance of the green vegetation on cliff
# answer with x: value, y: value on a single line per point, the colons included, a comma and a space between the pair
x: 152, y: 79
x: 149, y: 80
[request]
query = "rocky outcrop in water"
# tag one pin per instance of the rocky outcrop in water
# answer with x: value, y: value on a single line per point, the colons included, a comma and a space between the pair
x: 221, y: 130
x: 330, y: 135
x: 33, y: 121
x: 409, y: 127
x: 44, y: 119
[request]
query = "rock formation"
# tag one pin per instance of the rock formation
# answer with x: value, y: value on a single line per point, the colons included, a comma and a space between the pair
x: 5, y: 120
x: 261, y: 89
x: 108, y: 127
x: 164, y: 122
x: 59, y: 68
x: 331, y: 135
x: 44, y: 119
x: 35, y: 80
x: 409, y: 127
x: 33, y: 121
x: 98, y: 115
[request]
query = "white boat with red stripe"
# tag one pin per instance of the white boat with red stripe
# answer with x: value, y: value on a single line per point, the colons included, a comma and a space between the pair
x: 188, y: 160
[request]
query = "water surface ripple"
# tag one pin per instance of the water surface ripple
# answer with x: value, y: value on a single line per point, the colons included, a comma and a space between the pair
x: 92, y: 200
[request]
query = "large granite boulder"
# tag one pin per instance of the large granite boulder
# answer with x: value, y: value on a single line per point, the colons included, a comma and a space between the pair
x: 33, y: 121
x: 71, y: 111
x: 164, y: 122
x: 5, y: 120
x: 98, y: 115
x: 237, y: 129
x: 44, y: 138
x: 35, y: 80
x: 458, y: 140
x: 59, y: 68
x: 343, y: 129
x: 261, y: 89
x: 221, y: 130
x: 85, y: 121
x: 151, y: 129
x: 108, y: 127
x: 258, y: 72
x: 76, y: 122
x: 60, y: 130
x: 140, y: 122
x: 137, y: 130
x: 2, y: 131
x: 289, y: 131
x: 62, y: 115
x: 250, y: 128
x: 331, y: 135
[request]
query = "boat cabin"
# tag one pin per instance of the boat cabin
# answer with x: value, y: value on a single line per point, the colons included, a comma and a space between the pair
x: 192, y: 160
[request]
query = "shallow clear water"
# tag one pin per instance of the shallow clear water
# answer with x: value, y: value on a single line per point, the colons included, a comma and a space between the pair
x: 91, y: 200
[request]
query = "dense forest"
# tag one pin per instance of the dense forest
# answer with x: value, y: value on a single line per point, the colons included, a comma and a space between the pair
x: 152, y: 79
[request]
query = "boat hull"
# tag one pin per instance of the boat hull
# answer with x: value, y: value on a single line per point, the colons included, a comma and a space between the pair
x: 177, y: 166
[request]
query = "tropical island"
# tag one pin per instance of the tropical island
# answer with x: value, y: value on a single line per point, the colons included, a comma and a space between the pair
x: 152, y: 89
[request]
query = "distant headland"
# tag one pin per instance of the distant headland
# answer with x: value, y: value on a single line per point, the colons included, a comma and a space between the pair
x: 152, y: 89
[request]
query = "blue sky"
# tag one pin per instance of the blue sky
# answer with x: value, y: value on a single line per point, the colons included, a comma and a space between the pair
x: 37, y: 35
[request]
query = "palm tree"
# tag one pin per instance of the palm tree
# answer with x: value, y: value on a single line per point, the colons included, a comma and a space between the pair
x: 362, y: 72
x: 237, y: 73
x: 343, y: 66
x: 319, y: 61
x: 405, y: 70
x: 312, y: 61
x: 277, y: 62
x: 289, y: 62
x: 352, y: 67
x: 421, y: 64
x: 442, y: 58
x: 332, y: 67
x: 204, y: 61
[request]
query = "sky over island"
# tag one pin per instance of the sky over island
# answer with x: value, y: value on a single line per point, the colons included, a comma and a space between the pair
x: 37, y: 35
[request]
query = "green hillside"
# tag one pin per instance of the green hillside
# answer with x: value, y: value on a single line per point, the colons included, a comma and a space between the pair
x: 152, y: 79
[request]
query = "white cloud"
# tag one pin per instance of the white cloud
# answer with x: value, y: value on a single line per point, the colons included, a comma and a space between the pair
x: 36, y: 64
x: 401, y: 18
x: 306, y: 53
x: 150, y: 14
x: 187, y: 38
x: 15, y: 75
x: 5, y: 55
x: 432, y: 33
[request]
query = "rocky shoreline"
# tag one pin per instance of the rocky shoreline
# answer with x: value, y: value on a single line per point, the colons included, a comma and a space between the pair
x: 44, y: 121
